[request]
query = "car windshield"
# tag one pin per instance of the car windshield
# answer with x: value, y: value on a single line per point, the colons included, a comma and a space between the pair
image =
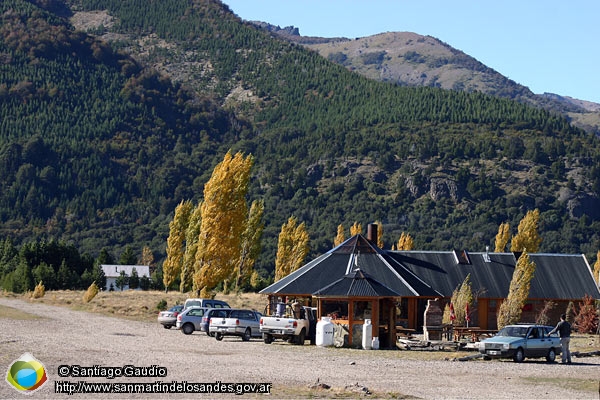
x: 513, y: 331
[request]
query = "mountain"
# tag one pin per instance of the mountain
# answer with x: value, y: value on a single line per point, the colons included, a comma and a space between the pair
x: 113, y: 111
x: 410, y: 59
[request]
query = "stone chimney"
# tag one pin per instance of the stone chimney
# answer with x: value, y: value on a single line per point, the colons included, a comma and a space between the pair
x: 432, y: 320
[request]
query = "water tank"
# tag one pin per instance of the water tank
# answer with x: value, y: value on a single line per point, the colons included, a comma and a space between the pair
x: 324, y: 334
x: 375, y: 343
x: 280, y: 309
x: 367, y: 335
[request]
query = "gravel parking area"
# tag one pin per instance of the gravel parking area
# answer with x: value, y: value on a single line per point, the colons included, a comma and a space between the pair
x: 61, y: 336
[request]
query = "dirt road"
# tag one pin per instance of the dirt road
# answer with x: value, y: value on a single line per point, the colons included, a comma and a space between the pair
x: 60, y: 336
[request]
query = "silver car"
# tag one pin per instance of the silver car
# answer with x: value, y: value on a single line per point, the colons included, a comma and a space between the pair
x: 238, y: 322
x: 190, y: 319
x: 522, y: 341
x: 168, y: 318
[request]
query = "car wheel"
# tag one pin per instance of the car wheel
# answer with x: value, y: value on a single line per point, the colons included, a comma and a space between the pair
x: 519, y: 356
x: 551, y: 356
x: 247, y: 335
x: 268, y: 339
x: 187, y: 329
x: 167, y: 326
x: 300, y: 338
x: 219, y: 336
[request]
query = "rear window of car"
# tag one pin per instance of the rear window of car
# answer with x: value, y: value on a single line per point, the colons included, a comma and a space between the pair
x: 197, y: 312
x: 219, y: 313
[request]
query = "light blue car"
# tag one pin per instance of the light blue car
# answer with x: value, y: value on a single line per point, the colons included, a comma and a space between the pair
x: 522, y: 341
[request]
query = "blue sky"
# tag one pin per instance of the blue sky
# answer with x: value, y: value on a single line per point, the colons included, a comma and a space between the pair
x: 549, y: 46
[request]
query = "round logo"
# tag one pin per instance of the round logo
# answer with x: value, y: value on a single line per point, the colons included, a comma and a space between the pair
x: 26, y: 374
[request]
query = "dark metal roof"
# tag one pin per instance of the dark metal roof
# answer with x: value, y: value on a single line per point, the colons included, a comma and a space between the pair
x: 356, y: 252
x: 357, y: 284
x: 439, y: 273
x: 557, y: 276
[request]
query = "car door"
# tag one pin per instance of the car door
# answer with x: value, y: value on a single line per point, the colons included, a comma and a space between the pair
x: 536, y: 343
x: 252, y: 321
x: 195, y: 316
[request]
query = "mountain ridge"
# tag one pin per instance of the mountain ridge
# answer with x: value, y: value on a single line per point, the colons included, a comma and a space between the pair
x: 412, y: 59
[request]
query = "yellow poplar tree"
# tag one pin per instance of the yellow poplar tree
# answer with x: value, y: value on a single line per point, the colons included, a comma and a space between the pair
x: 502, y: 237
x: 379, y: 234
x: 405, y: 242
x: 462, y: 296
x: 175, y: 243
x: 512, y: 307
x: 527, y: 237
x: 292, y: 248
x: 192, y: 236
x: 340, y: 237
x: 147, y: 257
x: 250, y: 246
x: 355, y: 229
x: 224, y: 213
x: 597, y: 268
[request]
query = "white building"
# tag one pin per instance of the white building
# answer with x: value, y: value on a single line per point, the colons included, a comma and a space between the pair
x: 112, y: 272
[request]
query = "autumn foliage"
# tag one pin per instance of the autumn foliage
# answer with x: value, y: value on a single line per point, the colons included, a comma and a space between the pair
x: 512, y: 307
x: 292, y: 248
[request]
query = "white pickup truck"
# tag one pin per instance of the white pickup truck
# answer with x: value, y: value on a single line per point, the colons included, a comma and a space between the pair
x: 293, y: 323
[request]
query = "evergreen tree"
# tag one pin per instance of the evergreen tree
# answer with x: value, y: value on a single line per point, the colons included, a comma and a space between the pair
x: 66, y: 278
x: 134, y: 279
x: 105, y: 257
x: 99, y: 276
x: 22, y: 279
x: 224, y: 211
x: 45, y: 273
x: 175, y: 243
x: 527, y: 238
x: 128, y: 256
x: 292, y: 248
x: 340, y: 237
x: 122, y: 280
x: 144, y: 283
x: 86, y: 278
x: 502, y: 237
x: 512, y: 307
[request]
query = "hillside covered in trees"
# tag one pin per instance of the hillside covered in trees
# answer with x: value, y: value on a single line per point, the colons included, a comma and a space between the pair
x: 104, y: 132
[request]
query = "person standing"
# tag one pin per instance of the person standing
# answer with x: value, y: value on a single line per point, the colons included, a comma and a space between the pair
x: 564, y: 331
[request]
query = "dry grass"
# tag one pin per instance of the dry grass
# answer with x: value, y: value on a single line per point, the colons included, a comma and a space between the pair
x: 13, y: 313
x: 133, y: 304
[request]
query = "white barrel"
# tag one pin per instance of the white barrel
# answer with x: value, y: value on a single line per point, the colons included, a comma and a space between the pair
x: 367, y: 335
x: 375, y: 343
x: 324, y: 334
